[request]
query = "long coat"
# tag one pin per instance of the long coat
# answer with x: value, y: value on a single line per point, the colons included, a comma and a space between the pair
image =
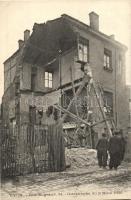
x: 102, y: 144
x: 115, y: 145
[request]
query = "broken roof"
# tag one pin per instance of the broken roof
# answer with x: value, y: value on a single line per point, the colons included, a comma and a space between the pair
x: 47, y: 39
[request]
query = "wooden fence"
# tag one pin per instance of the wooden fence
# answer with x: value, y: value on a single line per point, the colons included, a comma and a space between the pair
x: 31, y: 149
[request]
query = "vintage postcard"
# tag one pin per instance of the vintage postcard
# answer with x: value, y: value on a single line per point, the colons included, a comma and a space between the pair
x: 65, y: 99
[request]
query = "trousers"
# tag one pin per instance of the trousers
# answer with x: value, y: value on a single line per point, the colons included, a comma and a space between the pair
x: 115, y: 160
x: 102, y: 158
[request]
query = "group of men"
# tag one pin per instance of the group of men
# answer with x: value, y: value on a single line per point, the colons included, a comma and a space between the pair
x: 115, y: 146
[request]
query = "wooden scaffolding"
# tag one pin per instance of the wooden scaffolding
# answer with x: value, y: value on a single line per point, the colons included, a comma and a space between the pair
x: 99, y: 113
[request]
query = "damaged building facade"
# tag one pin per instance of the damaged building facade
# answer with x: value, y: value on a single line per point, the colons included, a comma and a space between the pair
x: 38, y: 74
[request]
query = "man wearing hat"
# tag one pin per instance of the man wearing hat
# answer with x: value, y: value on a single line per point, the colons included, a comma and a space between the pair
x: 102, y: 147
x: 114, y: 148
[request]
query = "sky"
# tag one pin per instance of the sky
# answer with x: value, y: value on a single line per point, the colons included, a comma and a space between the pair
x: 17, y: 16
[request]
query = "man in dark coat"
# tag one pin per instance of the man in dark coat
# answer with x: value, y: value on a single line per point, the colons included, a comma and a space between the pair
x: 123, y: 144
x: 114, y: 148
x: 102, y: 147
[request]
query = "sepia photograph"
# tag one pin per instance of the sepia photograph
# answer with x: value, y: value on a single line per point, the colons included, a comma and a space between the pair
x: 65, y: 99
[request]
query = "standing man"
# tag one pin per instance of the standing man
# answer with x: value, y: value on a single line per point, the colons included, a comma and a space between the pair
x: 123, y: 145
x: 114, y: 148
x: 102, y: 147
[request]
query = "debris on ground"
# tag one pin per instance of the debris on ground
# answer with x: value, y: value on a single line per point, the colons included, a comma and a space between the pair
x: 80, y: 157
x: 83, y: 175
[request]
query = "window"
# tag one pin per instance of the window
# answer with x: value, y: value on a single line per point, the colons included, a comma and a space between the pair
x: 63, y: 100
x: 48, y: 79
x: 108, y: 102
x: 83, y: 51
x: 107, y: 59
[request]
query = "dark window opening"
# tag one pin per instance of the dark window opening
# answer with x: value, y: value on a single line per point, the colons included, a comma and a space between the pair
x: 66, y: 98
x: 108, y: 103
x: 32, y: 115
x: 107, y: 59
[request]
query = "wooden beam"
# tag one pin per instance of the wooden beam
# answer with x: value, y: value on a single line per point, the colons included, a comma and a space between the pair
x: 76, y: 117
x: 101, y: 109
x: 102, y: 121
x: 67, y: 112
x: 84, y: 82
x: 73, y: 89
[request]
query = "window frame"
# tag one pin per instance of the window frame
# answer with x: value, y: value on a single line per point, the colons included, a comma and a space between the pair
x: 108, y: 101
x: 48, y: 81
x: 83, y: 57
x: 107, y: 62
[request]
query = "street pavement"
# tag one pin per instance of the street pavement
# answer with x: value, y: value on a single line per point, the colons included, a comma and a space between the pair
x: 87, y: 183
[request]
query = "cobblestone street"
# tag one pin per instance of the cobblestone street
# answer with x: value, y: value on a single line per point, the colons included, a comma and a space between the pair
x: 85, y: 182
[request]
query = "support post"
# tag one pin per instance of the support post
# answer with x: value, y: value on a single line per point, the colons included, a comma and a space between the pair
x: 101, y: 109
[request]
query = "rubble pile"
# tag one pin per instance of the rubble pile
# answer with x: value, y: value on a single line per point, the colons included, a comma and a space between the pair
x: 80, y: 157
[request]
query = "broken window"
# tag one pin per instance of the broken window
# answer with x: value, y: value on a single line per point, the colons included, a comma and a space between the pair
x: 48, y: 79
x: 107, y: 59
x: 83, y: 51
x: 108, y: 102
x: 68, y: 96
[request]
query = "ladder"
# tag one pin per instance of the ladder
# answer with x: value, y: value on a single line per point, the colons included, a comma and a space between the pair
x: 111, y: 118
x: 101, y: 107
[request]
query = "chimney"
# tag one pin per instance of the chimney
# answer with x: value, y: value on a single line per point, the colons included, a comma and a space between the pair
x: 20, y: 43
x: 26, y: 35
x: 94, y: 21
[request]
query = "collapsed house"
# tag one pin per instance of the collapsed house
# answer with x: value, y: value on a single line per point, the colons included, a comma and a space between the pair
x: 48, y: 70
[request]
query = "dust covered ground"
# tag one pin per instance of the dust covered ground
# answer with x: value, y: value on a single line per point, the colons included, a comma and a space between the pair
x: 83, y: 179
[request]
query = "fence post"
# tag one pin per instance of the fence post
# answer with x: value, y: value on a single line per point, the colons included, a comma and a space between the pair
x: 56, y: 148
x: 32, y: 146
